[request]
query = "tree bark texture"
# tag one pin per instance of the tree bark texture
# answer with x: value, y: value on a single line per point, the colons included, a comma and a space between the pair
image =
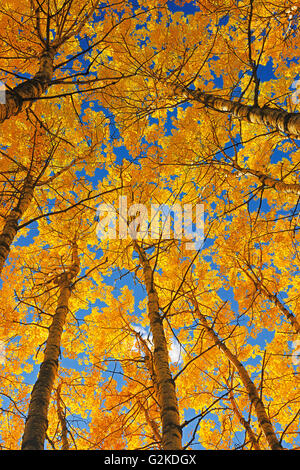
x: 37, y: 423
x: 171, y: 429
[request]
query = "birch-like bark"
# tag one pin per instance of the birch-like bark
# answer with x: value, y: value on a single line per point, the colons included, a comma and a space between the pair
x: 24, y: 94
x: 148, y: 359
x: 263, y: 419
x: 171, y: 429
x: 288, y: 123
x: 10, y: 228
x: 269, y: 181
x: 37, y: 423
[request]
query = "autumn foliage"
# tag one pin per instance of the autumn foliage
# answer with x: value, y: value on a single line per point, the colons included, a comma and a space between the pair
x: 142, y: 340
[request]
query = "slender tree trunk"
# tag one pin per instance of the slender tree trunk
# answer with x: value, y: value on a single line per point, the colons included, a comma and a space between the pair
x: 171, y: 429
x: 37, y: 423
x: 148, y: 359
x: 62, y: 420
x: 244, y: 423
x: 269, y: 181
x: 11, y: 225
x: 288, y: 315
x: 263, y: 419
x: 291, y: 318
x: 152, y: 424
x: 23, y: 95
x: 288, y: 123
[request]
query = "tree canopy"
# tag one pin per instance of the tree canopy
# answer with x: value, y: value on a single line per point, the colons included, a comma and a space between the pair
x: 149, y: 235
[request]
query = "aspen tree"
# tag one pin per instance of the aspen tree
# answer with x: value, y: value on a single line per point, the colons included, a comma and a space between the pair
x: 36, y: 422
x: 171, y: 430
x: 263, y: 418
x: 10, y: 228
x: 279, y: 119
x: 23, y: 95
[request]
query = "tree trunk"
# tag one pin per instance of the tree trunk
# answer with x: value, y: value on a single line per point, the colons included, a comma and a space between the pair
x: 37, y: 423
x: 288, y: 315
x: 62, y: 420
x: 152, y: 424
x: 266, y: 180
x: 171, y: 429
x: 23, y: 95
x: 11, y: 225
x: 244, y: 423
x: 273, y: 297
x: 263, y: 419
x: 288, y: 123
x: 148, y: 359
